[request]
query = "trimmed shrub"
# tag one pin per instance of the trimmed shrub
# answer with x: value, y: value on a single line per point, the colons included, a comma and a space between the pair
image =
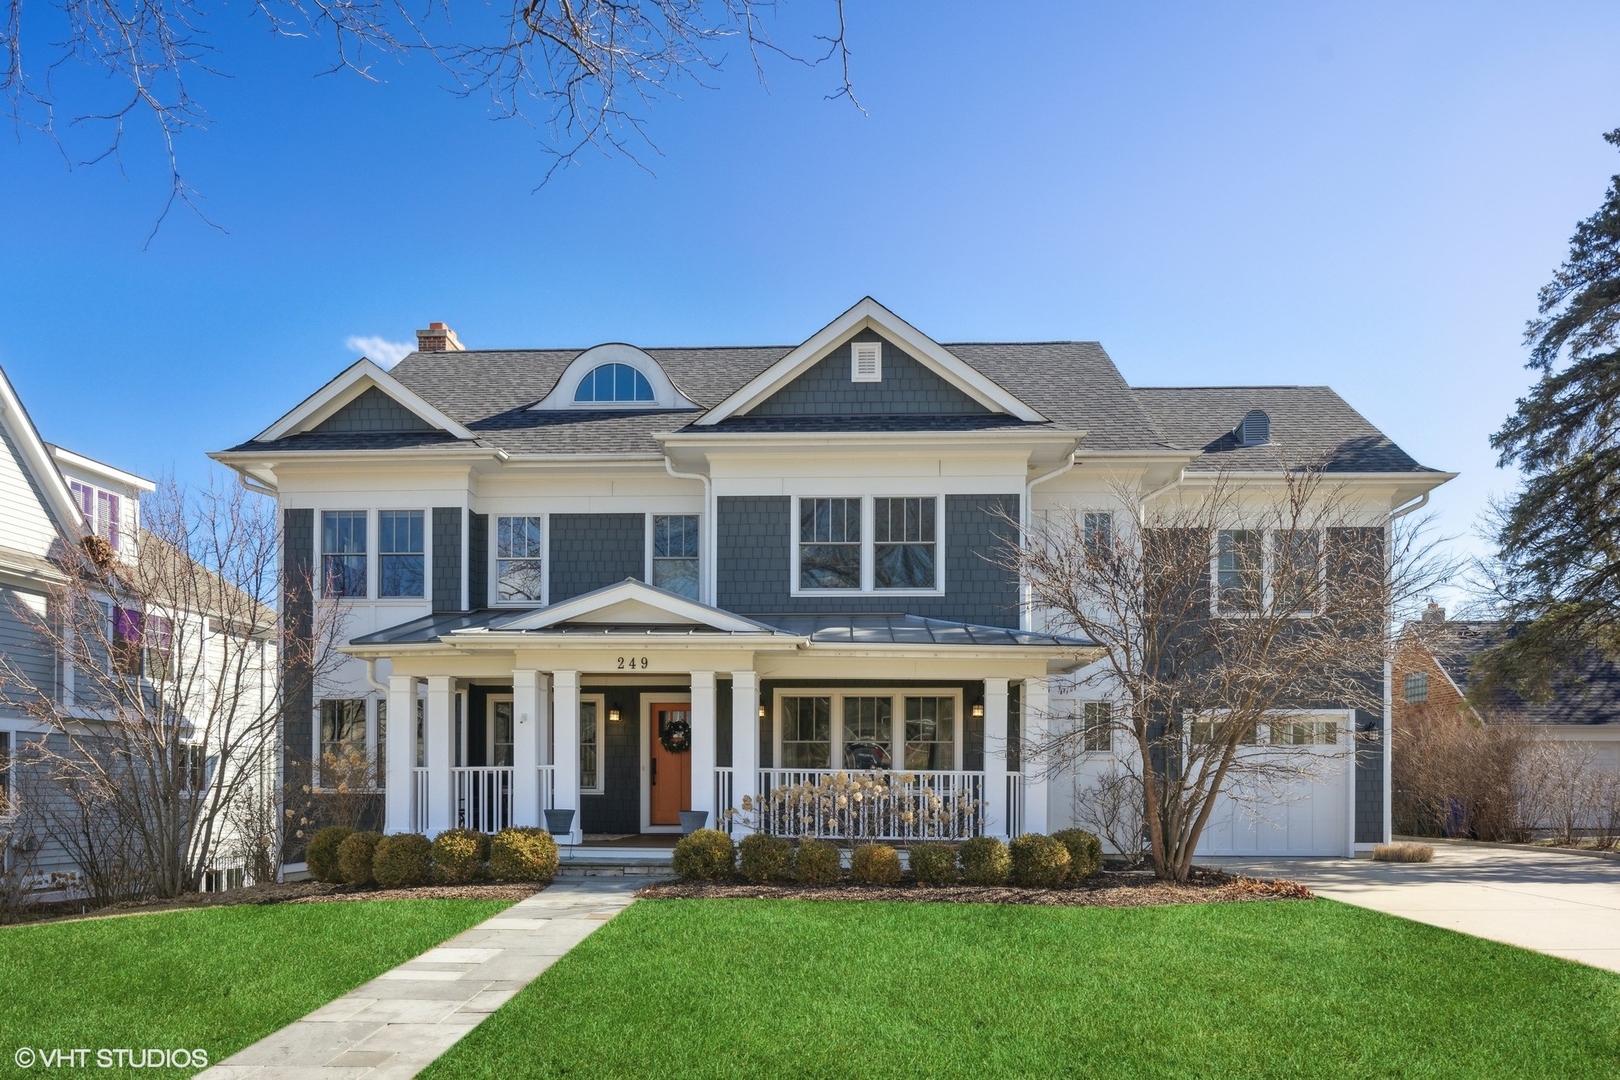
x: 1403, y: 852
x: 322, y: 854
x: 1085, y: 852
x: 522, y: 854
x: 704, y: 855
x: 985, y: 861
x: 875, y: 864
x: 403, y: 860
x: 355, y: 856
x: 762, y: 858
x: 459, y: 855
x: 933, y: 864
x: 816, y: 863
x: 1039, y: 861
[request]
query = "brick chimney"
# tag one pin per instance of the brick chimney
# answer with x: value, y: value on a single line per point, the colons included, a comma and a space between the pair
x: 438, y: 338
x: 1434, y: 613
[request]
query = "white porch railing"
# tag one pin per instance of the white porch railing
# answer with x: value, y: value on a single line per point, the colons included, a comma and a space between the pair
x: 419, y: 801
x: 723, y: 789
x: 1015, y: 803
x: 908, y: 805
x: 483, y: 798
x: 548, y: 790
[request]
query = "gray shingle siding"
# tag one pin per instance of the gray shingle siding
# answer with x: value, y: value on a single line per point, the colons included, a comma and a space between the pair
x: 373, y: 411
x: 591, y: 551
x: 755, y: 536
x: 478, y: 560
x: 298, y: 691
x: 1369, y: 782
x: 907, y: 387
x: 23, y: 647
x: 447, y: 558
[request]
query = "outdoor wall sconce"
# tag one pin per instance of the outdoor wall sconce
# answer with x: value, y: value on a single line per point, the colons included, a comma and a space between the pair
x: 762, y: 712
x: 613, y: 715
x: 977, y: 711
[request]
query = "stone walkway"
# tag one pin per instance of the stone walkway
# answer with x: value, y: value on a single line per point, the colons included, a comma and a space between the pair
x: 393, y: 1026
x: 1562, y: 905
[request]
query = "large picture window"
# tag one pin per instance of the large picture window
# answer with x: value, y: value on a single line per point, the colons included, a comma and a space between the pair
x: 343, y: 553
x: 675, y: 553
x: 829, y: 543
x: 519, y: 559
x: 869, y: 729
x: 401, y: 553
x: 903, y: 555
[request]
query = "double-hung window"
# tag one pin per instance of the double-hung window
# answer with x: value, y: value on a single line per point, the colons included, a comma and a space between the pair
x: 930, y: 733
x: 806, y: 732
x: 1276, y: 570
x: 881, y: 544
x: 868, y: 732
x: 519, y: 560
x: 101, y: 510
x: 1239, y: 571
x: 343, y: 743
x: 1097, y: 532
x: 829, y: 543
x: 401, y: 553
x: 903, y: 553
x: 675, y: 553
x: 866, y: 729
x: 1296, y: 572
x: 1097, y: 726
x: 343, y: 553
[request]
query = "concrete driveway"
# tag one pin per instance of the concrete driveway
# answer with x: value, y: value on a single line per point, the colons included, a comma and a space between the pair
x: 1562, y: 905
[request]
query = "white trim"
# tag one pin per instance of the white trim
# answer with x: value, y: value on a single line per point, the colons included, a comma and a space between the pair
x: 869, y: 548
x: 868, y: 314
x: 600, y: 787
x: 897, y: 717
x: 647, y: 543
x: 64, y: 456
x: 38, y: 458
x: 347, y: 385
x: 866, y: 361
x: 679, y: 608
x: 665, y: 396
x: 490, y: 701
x: 645, y: 700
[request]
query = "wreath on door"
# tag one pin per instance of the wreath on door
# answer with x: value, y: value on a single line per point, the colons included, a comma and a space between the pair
x: 675, y: 733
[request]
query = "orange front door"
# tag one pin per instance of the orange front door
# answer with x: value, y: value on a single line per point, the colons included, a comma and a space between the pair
x: 671, y: 773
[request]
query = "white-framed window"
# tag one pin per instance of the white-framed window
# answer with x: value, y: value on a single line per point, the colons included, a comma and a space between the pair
x: 863, y: 729
x: 1416, y: 687
x: 592, y: 718
x: 193, y: 768
x: 341, y: 745
x: 1096, y: 726
x: 1204, y: 730
x: 614, y: 383
x: 102, y: 511
x: 520, y: 569
x: 401, y: 554
x: 1304, y: 731
x: 674, y: 553
x: 1253, y: 570
x: 6, y: 810
x: 380, y: 756
x: 142, y: 644
x: 868, y: 544
x: 1097, y: 531
x: 866, y: 361
x: 343, y: 554
x: 499, y: 731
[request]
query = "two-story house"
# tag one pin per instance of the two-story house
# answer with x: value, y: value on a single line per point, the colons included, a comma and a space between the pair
x: 632, y: 582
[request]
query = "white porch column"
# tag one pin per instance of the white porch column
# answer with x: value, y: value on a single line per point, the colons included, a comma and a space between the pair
x: 704, y: 735
x: 744, y: 739
x: 996, y: 811
x: 439, y: 704
x: 399, y: 807
x: 527, y: 722
x: 565, y: 735
x: 1033, y: 730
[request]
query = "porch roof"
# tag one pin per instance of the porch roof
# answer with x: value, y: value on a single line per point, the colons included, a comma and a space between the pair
x: 899, y: 629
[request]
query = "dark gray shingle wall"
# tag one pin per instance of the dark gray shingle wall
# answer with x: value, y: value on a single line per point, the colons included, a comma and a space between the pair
x: 478, y: 560
x: 907, y: 387
x: 298, y: 701
x: 591, y: 551
x: 447, y: 558
x: 1369, y: 783
x: 373, y: 411
x: 755, y: 535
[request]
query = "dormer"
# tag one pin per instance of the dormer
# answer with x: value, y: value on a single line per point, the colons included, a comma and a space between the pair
x: 613, y: 377
x: 108, y: 500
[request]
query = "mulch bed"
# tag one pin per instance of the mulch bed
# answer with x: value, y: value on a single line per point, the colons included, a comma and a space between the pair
x: 1107, y: 889
x: 295, y: 892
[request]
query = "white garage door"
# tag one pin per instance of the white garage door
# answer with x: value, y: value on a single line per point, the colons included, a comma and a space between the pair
x: 1309, y: 817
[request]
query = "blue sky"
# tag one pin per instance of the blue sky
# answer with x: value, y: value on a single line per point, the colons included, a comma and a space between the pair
x: 1364, y: 195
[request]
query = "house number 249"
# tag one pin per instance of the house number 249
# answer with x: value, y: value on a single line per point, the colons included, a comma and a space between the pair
x: 634, y: 663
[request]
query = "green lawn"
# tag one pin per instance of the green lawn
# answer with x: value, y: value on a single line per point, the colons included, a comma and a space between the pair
x: 777, y: 988
x: 215, y: 978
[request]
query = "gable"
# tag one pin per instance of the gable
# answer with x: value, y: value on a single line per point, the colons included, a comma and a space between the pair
x: 373, y: 410
x: 907, y: 387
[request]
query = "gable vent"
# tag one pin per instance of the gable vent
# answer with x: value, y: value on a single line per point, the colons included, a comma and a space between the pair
x: 866, y: 362
x: 1255, y: 428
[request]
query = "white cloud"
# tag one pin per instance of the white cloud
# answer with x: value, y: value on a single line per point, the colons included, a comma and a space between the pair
x: 379, y: 350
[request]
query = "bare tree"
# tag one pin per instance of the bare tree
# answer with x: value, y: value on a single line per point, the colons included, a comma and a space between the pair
x: 592, y: 68
x: 171, y: 725
x: 1110, y: 805
x: 1224, y: 611
x: 1564, y: 776
x: 1454, y: 774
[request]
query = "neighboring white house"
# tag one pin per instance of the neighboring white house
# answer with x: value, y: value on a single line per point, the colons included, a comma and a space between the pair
x: 51, y: 499
x: 630, y: 582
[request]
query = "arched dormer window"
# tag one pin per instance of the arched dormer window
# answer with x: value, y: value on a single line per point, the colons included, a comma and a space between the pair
x: 615, y: 383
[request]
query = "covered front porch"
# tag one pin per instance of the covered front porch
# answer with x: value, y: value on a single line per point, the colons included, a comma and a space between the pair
x: 630, y: 706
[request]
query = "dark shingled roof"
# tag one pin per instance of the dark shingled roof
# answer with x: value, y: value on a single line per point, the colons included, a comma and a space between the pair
x: 1073, y: 384
x: 1590, y: 694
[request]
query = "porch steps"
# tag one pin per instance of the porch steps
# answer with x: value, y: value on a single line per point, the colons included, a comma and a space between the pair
x: 583, y: 861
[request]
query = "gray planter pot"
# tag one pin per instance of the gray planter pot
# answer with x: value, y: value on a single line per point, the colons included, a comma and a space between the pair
x: 559, y: 822
x: 693, y: 820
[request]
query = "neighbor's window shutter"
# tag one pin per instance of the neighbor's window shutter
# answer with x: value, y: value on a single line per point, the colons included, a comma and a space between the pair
x: 866, y: 362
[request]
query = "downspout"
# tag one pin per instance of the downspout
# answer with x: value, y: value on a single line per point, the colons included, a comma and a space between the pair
x: 371, y: 677
x: 1407, y: 507
x: 1386, y: 736
x: 707, y: 540
x: 1025, y: 516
